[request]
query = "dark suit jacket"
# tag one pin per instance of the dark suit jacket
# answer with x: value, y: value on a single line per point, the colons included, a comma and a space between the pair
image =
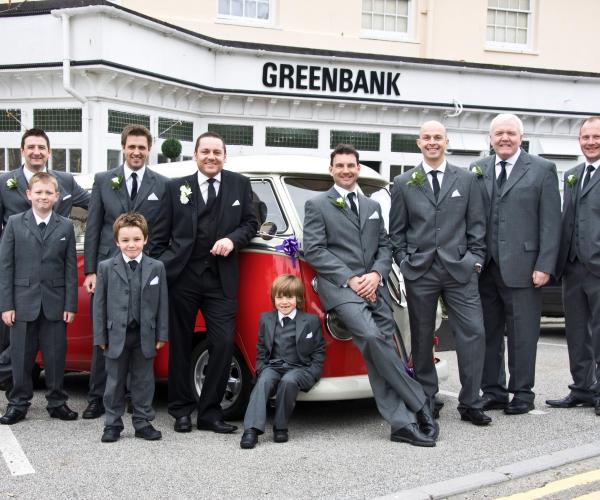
x: 107, y: 204
x: 453, y: 226
x: 38, y: 272
x: 529, y: 211
x: 14, y: 201
x: 584, y: 206
x: 111, y: 306
x: 310, y: 345
x: 175, y: 233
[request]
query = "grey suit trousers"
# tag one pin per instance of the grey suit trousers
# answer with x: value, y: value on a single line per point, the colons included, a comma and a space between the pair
x: 140, y: 370
x: 581, y: 291
x: 520, y: 310
x: 466, y: 320
x: 398, y: 397
x: 26, y: 338
x: 284, y: 383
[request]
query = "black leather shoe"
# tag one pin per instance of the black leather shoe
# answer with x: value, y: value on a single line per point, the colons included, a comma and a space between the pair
x: 568, y: 402
x: 63, y: 412
x: 518, y: 407
x: 597, y: 407
x: 280, y: 435
x: 148, y: 433
x: 218, y: 426
x: 493, y: 404
x: 475, y: 416
x: 111, y: 434
x: 427, y: 424
x: 411, y: 434
x: 12, y: 416
x: 249, y: 439
x: 95, y: 409
x: 183, y: 424
x: 437, y: 407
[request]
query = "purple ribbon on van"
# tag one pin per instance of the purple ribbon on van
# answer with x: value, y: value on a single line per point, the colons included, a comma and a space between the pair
x: 290, y: 247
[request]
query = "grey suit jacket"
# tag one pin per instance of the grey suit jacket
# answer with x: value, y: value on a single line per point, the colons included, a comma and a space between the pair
x: 111, y: 306
x: 310, y: 345
x: 339, y: 246
x: 583, y: 206
x: 107, y: 204
x: 38, y: 272
x: 14, y: 201
x: 453, y: 227
x: 529, y: 211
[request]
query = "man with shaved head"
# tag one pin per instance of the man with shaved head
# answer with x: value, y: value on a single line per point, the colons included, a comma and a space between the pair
x: 523, y: 214
x: 437, y: 227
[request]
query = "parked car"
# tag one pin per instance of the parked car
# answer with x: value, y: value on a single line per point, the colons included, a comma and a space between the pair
x: 281, y: 186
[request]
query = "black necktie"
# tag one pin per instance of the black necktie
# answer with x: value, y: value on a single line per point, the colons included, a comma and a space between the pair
x: 286, y: 321
x: 42, y: 226
x: 502, y: 177
x: 588, y: 174
x: 435, y: 183
x: 134, y: 185
x: 133, y: 264
x: 212, y: 193
x: 352, y: 203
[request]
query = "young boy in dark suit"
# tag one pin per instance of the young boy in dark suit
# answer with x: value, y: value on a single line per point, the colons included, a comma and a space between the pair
x: 130, y: 325
x: 289, y: 358
x: 38, y: 279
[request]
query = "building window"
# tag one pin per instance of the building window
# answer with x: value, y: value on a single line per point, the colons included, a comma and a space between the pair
x: 386, y: 18
x: 509, y: 23
x: 10, y: 120
x: 404, y: 143
x: 113, y: 158
x: 62, y: 158
x: 248, y: 10
x: 292, y: 137
x: 175, y: 129
x: 118, y: 120
x: 57, y: 120
x: 237, y: 135
x: 363, y: 141
x: 399, y: 169
x: 75, y: 161
x: 10, y: 158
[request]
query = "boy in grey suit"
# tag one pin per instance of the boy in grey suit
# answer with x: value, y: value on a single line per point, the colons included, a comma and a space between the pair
x: 289, y: 358
x: 38, y: 277
x: 130, y: 323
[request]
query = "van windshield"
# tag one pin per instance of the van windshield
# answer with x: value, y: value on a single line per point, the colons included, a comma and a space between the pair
x: 302, y: 189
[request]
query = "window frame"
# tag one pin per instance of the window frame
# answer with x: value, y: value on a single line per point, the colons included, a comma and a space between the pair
x: 247, y: 21
x: 512, y: 46
x: 408, y: 36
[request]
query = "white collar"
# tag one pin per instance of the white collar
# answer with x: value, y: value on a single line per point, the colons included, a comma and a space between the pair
x: 203, y: 178
x: 344, y: 192
x: 440, y: 169
x: 39, y: 220
x: 291, y: 315
x: 127, y: 259
x: 128, y: 171
x: 510, y: 161
x: 29, y: 174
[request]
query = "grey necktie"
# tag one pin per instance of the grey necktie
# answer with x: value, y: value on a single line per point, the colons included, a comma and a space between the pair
x: 352, y: 203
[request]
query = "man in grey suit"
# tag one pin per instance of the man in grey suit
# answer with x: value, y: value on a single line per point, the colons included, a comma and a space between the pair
x: 523, y: 209
x: 35, y: 150
x: 579, y: 267
x: 38, y: 279
x: 437, y: 228
x: 129, y: 187
x: 345, y: 241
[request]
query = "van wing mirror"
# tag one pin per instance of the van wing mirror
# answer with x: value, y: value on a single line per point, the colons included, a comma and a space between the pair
x: 267, y: 230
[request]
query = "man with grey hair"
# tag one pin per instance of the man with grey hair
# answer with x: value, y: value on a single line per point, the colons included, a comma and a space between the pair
x: 523, y: 209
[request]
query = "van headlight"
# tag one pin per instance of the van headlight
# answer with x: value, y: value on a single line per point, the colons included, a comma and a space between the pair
x: 336, y: 327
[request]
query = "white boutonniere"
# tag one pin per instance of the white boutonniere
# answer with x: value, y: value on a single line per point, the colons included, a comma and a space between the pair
x: 417, y: 178
x: 185, y: 193
x: 478, y: 171
x: 116, y: 182
x: 571, y: 180
x: 339, y: 203
x: 12, y: 183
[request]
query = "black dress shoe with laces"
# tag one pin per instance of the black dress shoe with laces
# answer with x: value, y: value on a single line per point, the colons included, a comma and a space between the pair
x: 280, y: 435
x: 148, y: 433
x: 95, y: 409
x: 569, y: 401
x: 475, y: 416
x: 183, y: 424
x: 518, y: 407
x: 411, y: 434
x: 218, y: 426
x: 249, y: 439
x: 63, y: 412
x: 490, y: 403
x: 111, y: 434
x: 12, y: 416
x: 427, y: 423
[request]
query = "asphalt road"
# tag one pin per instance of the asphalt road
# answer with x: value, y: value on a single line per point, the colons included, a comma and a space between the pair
x: 336, y: 450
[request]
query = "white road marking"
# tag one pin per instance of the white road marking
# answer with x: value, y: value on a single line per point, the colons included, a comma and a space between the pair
x: 13, y: 454
x: 537, y: 412
x: 448, y: 393
x: 551, y: 344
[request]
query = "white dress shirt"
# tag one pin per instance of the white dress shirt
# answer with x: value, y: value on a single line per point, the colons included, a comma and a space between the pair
x: 440, y: 172
x: 202, y: 182
x: 596, y: 166
x: 344, y: 194
x: 129, y: 181
x: 510, y: 163
x: 39, y: 220
x: 291, y: 315
x: 29, y: 174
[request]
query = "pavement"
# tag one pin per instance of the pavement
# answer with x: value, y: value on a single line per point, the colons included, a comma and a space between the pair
x: 336, y: 449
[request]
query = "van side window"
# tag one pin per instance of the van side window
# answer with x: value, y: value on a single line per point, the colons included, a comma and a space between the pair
x: 78, y: 218
x: 266, y: 204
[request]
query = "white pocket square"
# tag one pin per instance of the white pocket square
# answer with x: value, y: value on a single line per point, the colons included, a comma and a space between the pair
x: 63, y: 238
x: 374, y: 215
x: 309, y: 336
x: 455, y: 194
x: 154, y: 281
x: 236, y: 203
x: 153, y: 197
x: 67, y: 196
